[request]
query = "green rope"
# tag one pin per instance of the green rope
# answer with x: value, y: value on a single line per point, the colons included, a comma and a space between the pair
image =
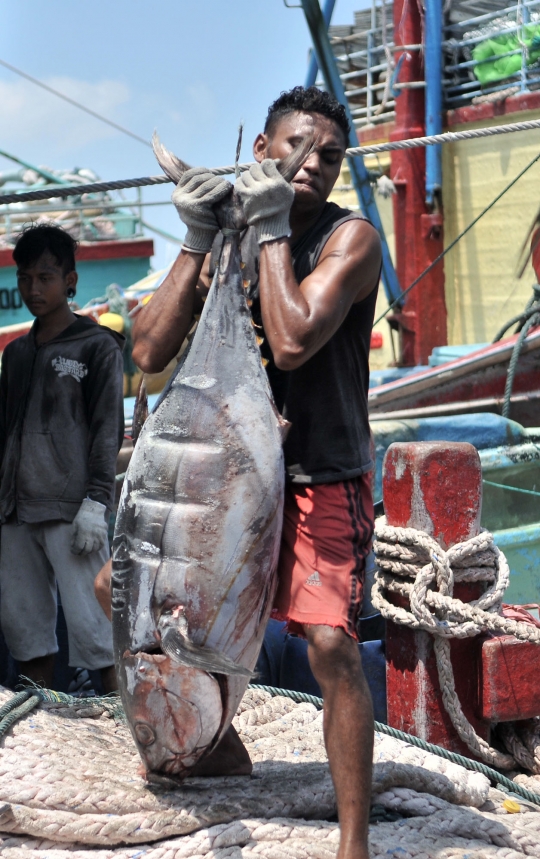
x: 17, y: 707
x: 511, y: 488
x: 23, y: 702
x: 17, y: 699
x: 501, y: 781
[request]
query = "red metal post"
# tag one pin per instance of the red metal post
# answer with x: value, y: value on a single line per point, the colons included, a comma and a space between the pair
x: 418, y: 231
x: 435, y: 487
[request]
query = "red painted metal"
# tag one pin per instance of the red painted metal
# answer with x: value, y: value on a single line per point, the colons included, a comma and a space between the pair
x: 435, y: 487
x: 535, y: 247
x: 490, y: 110
x: 422, y: 322
x: 118, y: 249
x: 509, y: 680
x: 480, y: 375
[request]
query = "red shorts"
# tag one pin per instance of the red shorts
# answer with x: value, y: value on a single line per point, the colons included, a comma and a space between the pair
x: 327, y: 534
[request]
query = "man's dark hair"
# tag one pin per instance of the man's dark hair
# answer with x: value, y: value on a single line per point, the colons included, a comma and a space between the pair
x: 310, y: 100
x: 38, y: 238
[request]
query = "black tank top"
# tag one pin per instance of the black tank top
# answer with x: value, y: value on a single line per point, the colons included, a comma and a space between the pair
x: 326, y: 398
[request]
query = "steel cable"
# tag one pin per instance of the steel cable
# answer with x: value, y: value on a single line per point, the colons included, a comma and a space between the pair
x: 412, y: 143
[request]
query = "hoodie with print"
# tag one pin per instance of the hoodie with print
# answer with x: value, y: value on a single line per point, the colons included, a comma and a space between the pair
x: 61, y: 422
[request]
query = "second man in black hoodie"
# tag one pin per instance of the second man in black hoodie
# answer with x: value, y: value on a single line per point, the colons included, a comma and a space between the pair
x: 61, y: 426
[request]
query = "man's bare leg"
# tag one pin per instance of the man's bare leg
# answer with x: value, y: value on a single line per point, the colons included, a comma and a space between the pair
x: 39, y: 670
x: 102, y: 588
x: 348, y: 731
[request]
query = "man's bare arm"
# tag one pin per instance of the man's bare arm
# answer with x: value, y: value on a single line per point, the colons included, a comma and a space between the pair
x: 161, y: 326
x: 299, y: 319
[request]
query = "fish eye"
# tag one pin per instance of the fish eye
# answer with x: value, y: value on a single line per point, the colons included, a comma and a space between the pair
x: 144, y: 733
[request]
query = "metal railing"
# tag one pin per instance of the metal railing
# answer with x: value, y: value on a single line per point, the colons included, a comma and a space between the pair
x: 365, y: 53
x: 479, y: 53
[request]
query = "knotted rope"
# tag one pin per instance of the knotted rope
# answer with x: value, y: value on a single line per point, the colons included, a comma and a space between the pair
x: 412, y: 564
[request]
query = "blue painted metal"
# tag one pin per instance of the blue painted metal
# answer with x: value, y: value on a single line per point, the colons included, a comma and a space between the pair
x: 483, y: 430
x: 359, y: 174
x: 313, y: 68
x: 525, y: 18
x: 433, y: 104
x: 94, y: 276
x: 522, y: 549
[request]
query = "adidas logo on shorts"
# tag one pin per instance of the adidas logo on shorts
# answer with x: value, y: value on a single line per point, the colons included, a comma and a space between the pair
x: 314, y: 579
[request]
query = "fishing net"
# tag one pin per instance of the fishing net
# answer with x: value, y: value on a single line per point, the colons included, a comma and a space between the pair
x: 70, y: 787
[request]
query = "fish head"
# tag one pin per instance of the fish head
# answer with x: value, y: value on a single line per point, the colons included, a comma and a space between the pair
x: 175, y: 716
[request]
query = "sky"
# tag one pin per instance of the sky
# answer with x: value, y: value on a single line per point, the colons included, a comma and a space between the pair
x: 191, y: 69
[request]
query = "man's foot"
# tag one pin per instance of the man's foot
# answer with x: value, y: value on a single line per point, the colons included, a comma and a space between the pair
x: 230, y: 757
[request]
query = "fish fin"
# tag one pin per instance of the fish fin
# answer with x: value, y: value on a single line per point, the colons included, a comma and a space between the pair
x: 172, y: 166
x: 140, y: 411
x: 289, y: 166
x: 181, y: 649
x: 283, y: 424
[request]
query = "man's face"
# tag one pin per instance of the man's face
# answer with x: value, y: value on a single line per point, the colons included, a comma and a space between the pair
x: 316, y: 178
x: 43, y: 285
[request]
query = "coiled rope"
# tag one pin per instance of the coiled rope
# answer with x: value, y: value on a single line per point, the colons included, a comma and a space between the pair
x: 410, y: 562
x: 17, y: 707
x: 412, y: 143
x: 526, y: 320
x: 498, y: 779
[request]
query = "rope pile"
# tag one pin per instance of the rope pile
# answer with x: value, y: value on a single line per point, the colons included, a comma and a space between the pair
x: 411, y: 564
x: 70, y: 789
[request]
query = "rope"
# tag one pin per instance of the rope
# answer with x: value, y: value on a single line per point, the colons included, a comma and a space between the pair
x: 494, y: 775
x: 75, y: 103
x: 412, y: 143
x: 405, y: 554
x: 531, y: 318
x: 511, y: 488
x: 16, y: 708
x: 445, y: 137
x: 397, y: 301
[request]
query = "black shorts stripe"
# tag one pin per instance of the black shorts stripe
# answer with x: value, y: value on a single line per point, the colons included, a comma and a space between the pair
x: 351, y: 490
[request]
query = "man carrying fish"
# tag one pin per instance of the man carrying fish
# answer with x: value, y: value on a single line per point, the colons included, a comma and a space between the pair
x: 311, y: 277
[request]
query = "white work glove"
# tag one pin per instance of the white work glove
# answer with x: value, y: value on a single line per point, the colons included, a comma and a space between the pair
x: 89, y: 528
x: 267, y: 199
x: 197, y: 191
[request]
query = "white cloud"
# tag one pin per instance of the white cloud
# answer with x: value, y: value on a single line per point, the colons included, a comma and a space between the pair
x: 30, y: 113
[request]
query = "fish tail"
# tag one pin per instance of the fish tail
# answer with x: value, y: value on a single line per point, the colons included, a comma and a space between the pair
x: 289, y: 166
x: 140, y: 410
x: 169, y: 163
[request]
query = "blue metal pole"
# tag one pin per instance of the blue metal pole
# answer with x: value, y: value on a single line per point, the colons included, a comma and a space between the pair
x: 313, y: 69
x: 359, y: 174
x: 433, y: 103
x: 525, y: 19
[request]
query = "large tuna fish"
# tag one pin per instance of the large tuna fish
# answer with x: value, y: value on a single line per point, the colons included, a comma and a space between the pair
x: 198, y: 529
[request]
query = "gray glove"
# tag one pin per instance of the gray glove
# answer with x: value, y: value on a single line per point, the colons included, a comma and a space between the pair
x: 267, y: 199
x: 197, y: 191
x: 89, y: 528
